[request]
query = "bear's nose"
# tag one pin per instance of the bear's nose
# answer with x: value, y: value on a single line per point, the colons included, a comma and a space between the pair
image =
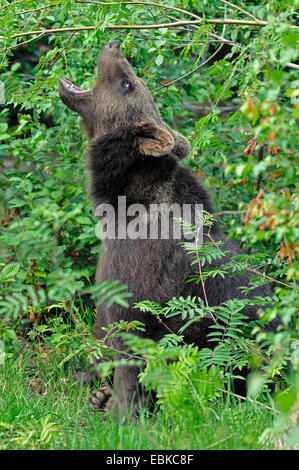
x: 113, y: 45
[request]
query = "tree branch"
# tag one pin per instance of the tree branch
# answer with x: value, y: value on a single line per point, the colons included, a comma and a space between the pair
x: 240, y: 9
x: 153, y: 4
x: 249, y: 399
x: 159, y: 5
x: 260, y: 158
x: 20, y: 44
x: 22, y: 12
x: 230, y: 212
x: 196, y: 68
x: 221, y: 441
x: 10, y: 4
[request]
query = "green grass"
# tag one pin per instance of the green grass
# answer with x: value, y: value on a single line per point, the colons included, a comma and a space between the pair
x: 41, y: 408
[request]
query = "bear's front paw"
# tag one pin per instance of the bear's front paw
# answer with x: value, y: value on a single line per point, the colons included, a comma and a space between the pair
x: 100, y: 398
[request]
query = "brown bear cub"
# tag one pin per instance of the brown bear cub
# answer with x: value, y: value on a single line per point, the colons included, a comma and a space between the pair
x: 133, y: 153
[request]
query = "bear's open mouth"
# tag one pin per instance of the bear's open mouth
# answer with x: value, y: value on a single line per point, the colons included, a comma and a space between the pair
x: 69, y: 86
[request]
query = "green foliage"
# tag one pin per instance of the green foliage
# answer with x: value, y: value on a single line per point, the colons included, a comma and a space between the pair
x: 58, y: 416
x: 177, y: 376
x: 231, y: 344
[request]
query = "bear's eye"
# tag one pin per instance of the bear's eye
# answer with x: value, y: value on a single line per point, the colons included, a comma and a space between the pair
x: 126, y: 85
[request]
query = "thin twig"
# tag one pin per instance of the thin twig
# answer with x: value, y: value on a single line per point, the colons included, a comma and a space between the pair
x: 256, y: 21
x: 204, y: 110
x: 159, y: 5
x: 200, y: 275
x: 176, y: 40
x: 289, y: 64
x: 230, y: 212
x: 231, y: 78
x: 196, y: 68
x: 20, y: 43
x: 257, y: 273
x: 22, y: 12
x: 260, y: 158
x: 133, y: 420
x: 249, y: 399
x: 10, y: 4
x: 54, y: 61
x: 198, y: 21
x: 222, y: 440
x: 191, y: 71
x: 142, y: 26
x: 167, y: 327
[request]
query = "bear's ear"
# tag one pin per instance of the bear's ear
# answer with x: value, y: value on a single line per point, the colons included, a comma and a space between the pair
x: 152, y: 139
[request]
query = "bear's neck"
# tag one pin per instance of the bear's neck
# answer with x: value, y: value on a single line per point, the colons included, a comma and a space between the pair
x: 114, y: 163
x: 118, y: 169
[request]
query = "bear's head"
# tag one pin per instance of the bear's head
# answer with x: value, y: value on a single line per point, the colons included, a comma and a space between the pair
x: 121, y: 100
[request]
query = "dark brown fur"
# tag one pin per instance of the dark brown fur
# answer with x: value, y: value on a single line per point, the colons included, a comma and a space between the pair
x: 133, y: 153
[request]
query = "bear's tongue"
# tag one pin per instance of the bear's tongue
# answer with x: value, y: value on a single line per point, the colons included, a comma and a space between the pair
x: 71, y: 87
